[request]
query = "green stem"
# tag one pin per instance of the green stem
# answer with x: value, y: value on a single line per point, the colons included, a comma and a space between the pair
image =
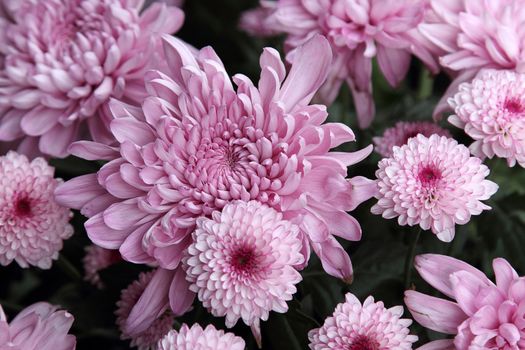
x: 410, y: 259
x: 68, y: 268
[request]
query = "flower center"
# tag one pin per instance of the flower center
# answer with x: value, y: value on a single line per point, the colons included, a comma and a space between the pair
x: 244, y: 261
x: 363, y: 343
x: 514, y: 106
x: 23, y: 207
x: 429, y: 176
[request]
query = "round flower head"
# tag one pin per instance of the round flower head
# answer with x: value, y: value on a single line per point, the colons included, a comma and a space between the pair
x: 32, y: 225
x: 399, y: 134
x: 483, y: 315
x: 369, y: 326
x: 196, y: 338
x: 434, y: 183
x: 241, y: 263
x: 358, y: 30
x: 491, y: 110
x: 97, y: 259
x: 197, y: 143
x: 37, y: 327
x: 63, y: 60
x: 148, y: 338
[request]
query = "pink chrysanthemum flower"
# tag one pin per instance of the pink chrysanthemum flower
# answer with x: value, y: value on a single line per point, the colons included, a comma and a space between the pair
x: 399, y: 134
x: 197, y: 143
x: 33, y: 225
x: 37, y: 327
x: 148, y: 338
x: 358, y: 30
x: 491, y: 110
x: 434, y: 183
x: 63, y: 60
x: 369, y: 326
x: 483, y: 315
x: 96, y: 259
x: 470, y: 35
x: 241, y: 263
x: 196, y: 338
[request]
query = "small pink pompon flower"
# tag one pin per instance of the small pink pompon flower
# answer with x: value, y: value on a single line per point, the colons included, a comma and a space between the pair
x: 33, y: 225
x: 358, y: 31
x: 148, y: 338
x: 96, y: 259
x: 241, y: 263
x: 369, y: 326
x: 434, y: 183
x: 198, y: 143
x: 37, y: 327
x: 63, y: 60
x: 467, y: 36
x: 399, y: 134
x: 491, y: 110
x: 196, y: 338
x: 482, y: 315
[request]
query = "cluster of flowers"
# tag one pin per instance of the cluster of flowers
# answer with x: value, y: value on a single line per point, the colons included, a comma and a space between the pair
x: 225, y: 190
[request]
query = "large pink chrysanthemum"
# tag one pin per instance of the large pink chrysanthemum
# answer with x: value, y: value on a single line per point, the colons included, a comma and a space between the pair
x: 470, y: 35
x: 369, y: 326
x: 358, y: 30
x: 399, y: 134
x: 33, y: 225
x: 491, y: 110
x: 477, y: 34
x: 434, y: 183
x: 197, y: 144
x: 37, y: 327
x: 196, y: 338
x: 148, y: 338
x: 241, y: 263
x: 483, y: 315
x: 96, y: 259
x: 64, y: 59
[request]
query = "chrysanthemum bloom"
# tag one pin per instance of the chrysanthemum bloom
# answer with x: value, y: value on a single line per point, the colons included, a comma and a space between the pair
x: 32, y: 224
x: 37, y: 327
x: 63, y: 60
x: 470, y: 35
x: 399, y: 134
x: 148, y: 338
x: 483, y: 315
x: 96, y: 259
x: 241, y: 263
x: 197, y: 144
x: 196, y: 338
x: 369, y: 326
x: 491, y: 110
x: 434, y: 183
x: 358, y: 30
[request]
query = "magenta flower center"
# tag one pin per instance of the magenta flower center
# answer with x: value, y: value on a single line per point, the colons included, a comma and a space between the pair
x: 429, y: 176
x: 244, y: 261
x: 514, y: 106
x: 23, y: 207
x: 363, y: 343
